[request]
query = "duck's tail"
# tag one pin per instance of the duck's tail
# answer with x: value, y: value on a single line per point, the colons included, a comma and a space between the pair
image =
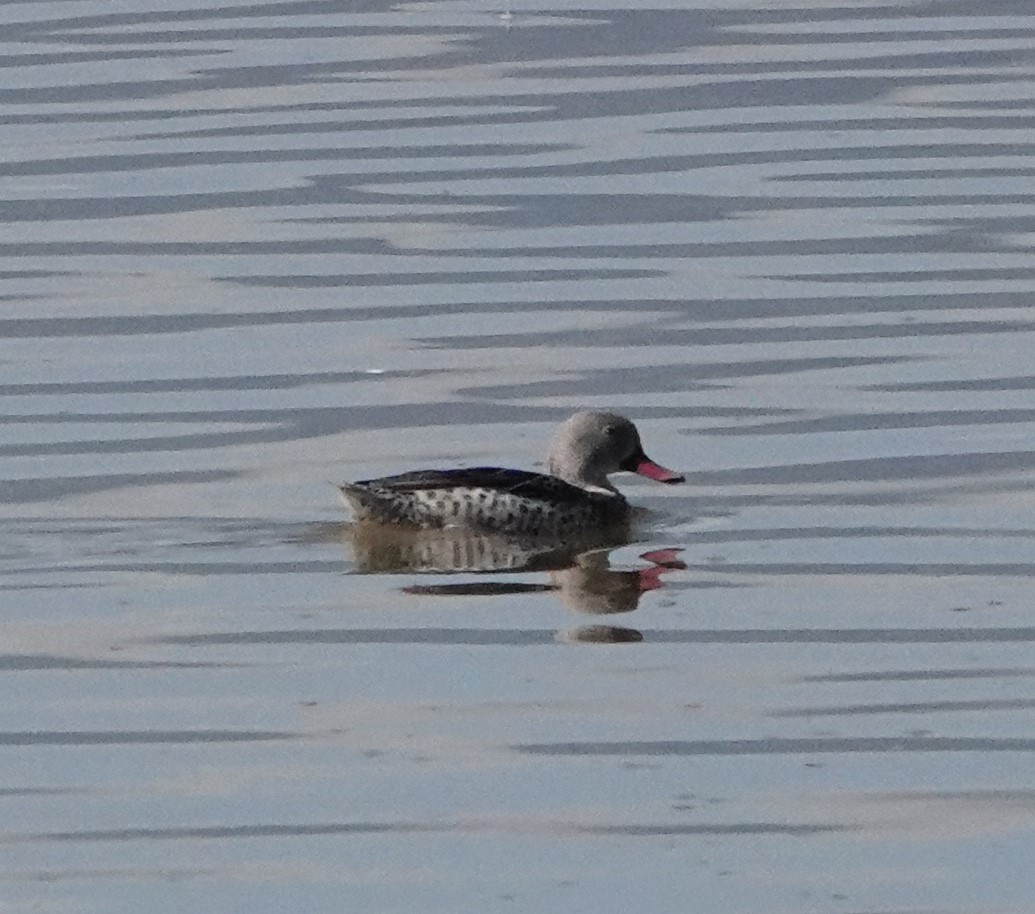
x: 374, y: 504
x: 360, y: 500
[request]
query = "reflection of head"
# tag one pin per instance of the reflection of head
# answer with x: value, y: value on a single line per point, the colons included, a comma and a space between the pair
x: 590, y: 586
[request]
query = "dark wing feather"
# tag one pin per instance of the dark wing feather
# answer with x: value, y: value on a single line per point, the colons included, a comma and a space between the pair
x: 537, y: 486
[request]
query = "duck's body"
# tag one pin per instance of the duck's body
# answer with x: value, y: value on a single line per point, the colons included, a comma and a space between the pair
x: 574, y: 497
x: 484, y: 498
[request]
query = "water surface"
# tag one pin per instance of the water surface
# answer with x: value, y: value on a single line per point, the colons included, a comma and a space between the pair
x: 255, y: 248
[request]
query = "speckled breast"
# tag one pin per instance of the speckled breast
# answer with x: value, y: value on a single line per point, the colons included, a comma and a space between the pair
x: 484, y: 508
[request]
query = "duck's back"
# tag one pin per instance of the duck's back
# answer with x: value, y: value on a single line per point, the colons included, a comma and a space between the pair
x: 487, y: 498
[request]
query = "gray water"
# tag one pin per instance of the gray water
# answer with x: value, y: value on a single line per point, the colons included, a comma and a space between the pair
x: 254, y: 248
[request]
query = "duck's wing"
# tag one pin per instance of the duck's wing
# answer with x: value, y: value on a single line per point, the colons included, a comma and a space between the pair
x: 523, y: 483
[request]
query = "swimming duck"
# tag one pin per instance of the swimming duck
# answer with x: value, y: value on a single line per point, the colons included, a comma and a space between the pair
x: 574, y: 497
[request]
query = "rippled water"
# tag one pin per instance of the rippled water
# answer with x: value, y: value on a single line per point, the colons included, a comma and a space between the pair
x: 255, y: 248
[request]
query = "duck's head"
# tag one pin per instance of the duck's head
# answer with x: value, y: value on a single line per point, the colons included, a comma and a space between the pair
x: 591, y: 445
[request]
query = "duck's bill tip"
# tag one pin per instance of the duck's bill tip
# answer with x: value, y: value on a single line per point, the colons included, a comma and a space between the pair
x: 658, y: 473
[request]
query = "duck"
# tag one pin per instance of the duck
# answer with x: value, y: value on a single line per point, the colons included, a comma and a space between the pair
x: 575, y: 496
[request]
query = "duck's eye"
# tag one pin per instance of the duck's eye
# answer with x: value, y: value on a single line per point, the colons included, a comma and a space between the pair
x: 611, y: 430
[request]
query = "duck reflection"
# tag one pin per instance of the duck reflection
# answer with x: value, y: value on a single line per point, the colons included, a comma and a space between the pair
x: 578, y: 571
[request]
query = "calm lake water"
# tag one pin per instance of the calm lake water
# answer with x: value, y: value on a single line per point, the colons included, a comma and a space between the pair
x: 254, y: 248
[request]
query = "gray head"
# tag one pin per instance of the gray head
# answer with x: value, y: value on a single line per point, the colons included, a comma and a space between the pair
x: 590, y: 445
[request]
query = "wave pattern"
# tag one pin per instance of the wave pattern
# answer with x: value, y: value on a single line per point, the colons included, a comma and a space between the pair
x: 253, y: 247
